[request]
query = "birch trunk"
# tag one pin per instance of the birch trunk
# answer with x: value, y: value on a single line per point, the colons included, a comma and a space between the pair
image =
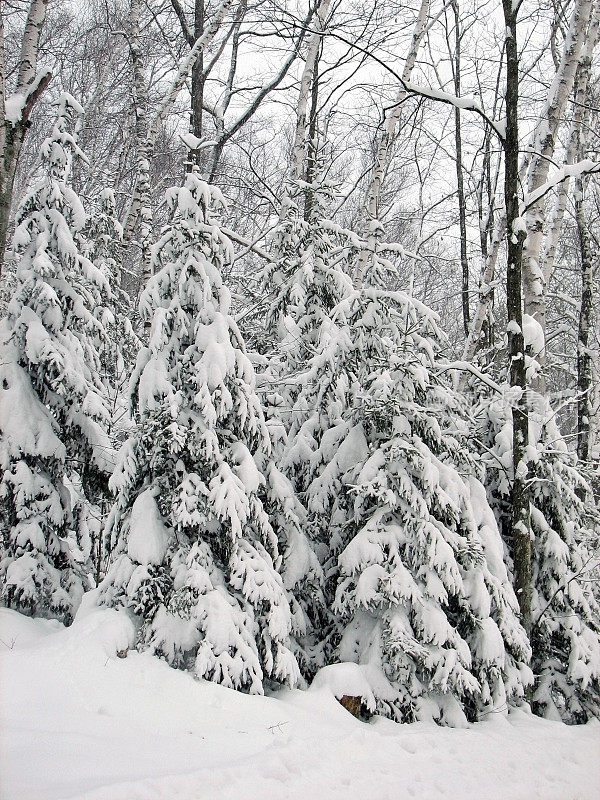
x: 543, y: 150
x: 306, y: 85
x: 140, y: 209
x: 140, y: 212
x: 584, y: 355
x: 14, y: 115
x: 582, y: 83
x: 535, y: 165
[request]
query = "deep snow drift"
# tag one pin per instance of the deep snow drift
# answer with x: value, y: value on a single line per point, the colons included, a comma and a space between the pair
x: 76, y: 721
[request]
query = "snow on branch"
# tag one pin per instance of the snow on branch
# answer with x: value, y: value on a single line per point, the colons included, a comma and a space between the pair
x: 19, y: 105
x: 585, y: 167
x: 465, y: 366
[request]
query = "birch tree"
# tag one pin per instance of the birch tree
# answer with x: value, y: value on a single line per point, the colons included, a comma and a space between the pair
x: 382, y: 155
x: 543, y: 147
x: 140, y: 210
x: 16, y: 109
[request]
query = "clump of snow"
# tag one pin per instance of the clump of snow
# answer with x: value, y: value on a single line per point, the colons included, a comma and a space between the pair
x: 533, y: 335
x: 345, y: 679
x: 148, y: 537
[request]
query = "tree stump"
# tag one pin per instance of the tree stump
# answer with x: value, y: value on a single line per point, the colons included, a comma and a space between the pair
x: 351, y: 704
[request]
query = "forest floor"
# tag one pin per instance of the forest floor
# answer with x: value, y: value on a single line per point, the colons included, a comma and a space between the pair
x: 77, y: 722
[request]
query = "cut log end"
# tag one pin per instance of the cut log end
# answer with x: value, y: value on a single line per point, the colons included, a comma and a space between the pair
x: 351, y: 704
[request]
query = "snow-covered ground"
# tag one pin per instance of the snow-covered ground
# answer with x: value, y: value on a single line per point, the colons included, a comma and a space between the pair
x: 78, y: 722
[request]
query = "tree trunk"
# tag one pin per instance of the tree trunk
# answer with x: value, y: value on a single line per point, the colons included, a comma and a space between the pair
x: 140, y: 212
x: 306, y: 85
x: 521, y: 525
x: 198, y: 79
x: 30, y: 84
x: 382, y: 155
x: 462, y: 212
x: 582, y: 83
x: 544, y: 140
x: 312, y: 143
x: 584, y: 355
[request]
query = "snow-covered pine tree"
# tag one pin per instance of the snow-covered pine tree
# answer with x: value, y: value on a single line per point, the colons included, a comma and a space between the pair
x: 117, y: 349
x: 305, y: 281
x: 565, y: 635
x: 52, y: 409
x: 196, y: 558
x: 414, y: 561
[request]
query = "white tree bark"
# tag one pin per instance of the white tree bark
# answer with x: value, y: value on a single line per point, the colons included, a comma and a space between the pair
x: 16, y: 110
x: 534, y: 170
x: 140, y: 210
x: 582, y: 84
x: 544, y: 140
x: 306, y: 81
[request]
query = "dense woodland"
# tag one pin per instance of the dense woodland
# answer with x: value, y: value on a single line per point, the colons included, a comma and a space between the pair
x: 299, y: 341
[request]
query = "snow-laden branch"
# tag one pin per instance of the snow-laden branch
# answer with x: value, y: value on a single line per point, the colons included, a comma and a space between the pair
x: 18, y: 106
x: 584, y: 167
x: 466, y: 366
x: 247, y: 243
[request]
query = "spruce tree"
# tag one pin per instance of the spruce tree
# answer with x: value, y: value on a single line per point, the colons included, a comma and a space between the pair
x: 196, y: 558
x: 565, y: 636
x: 304, y: 284
x: 52, y: 411
x: 117, y: 351
x: 378, y: 451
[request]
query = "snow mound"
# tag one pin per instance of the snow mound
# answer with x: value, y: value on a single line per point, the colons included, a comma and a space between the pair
x: 347, y: 679
x: 80, y: 723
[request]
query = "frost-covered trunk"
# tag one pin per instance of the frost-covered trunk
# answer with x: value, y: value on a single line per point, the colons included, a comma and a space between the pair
x: 584, y: 355
x: 543, y: 146
x: 306, y: 84
x: 140, y: 211
x: 16, y: 109
x: 581, y: 92
x: 386, y: 139
x: 521, y: 524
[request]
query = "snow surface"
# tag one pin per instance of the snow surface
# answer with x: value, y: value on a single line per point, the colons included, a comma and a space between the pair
x: 77, y: 722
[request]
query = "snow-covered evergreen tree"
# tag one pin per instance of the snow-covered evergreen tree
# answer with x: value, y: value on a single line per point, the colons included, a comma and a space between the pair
x: 377, y: 451
x: 306, y: 280
x: 52, y: 408
x: 117, y: 350
x: 104, y: 237
x: 565, y: 636
x: 415, y: 564
x: 196, y: 557
x: 305, y: 283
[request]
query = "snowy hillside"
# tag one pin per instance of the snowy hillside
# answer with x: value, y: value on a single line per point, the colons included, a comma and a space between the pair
x: 79, y: 722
